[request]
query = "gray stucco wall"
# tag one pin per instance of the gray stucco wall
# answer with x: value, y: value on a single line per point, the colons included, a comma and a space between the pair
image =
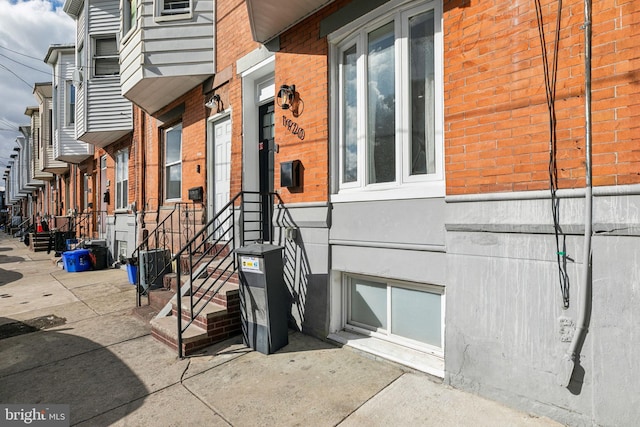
x: 503, y: 337
x: 396, y: 239
x: 303, y: 230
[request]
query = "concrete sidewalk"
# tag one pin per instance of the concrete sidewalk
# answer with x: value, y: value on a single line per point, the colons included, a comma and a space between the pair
x: 96, y: 356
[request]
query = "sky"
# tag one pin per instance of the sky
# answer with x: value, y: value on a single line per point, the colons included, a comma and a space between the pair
x: 27, y: 28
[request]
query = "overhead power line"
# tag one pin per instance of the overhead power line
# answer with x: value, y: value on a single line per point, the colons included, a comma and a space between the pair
x: 25, y: 65
x: 22, y: 54
x: 17, y: 76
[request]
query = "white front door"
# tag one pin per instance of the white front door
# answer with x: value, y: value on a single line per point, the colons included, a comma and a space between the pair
x: 220, y: 167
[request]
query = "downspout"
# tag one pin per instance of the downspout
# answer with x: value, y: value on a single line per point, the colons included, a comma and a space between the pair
x: 572, y: 357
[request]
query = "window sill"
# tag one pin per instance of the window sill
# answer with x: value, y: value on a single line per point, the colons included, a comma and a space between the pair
x: 173, y: 17
x: 421, y: 361
x: 417, y: 191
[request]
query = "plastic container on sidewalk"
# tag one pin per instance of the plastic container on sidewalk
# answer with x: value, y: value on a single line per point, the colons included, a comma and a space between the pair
x: 76, y: 261
x: 99, y: 257
x: 132, y: 272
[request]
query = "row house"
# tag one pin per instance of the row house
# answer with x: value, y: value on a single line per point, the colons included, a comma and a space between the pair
x: 104, y: 121
x: 451, y: 193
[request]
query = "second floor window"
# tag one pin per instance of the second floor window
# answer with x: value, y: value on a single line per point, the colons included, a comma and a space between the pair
x: 129, y: 16
x: 173, y: 162
x: 70, y: 104
x: 105, y: 57
x: 174, y: 7
x: 122, y: 179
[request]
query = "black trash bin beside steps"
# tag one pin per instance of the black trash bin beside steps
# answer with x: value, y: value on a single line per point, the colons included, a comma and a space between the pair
x: 264, y: 297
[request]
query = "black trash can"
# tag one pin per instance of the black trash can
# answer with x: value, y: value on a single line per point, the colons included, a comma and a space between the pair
x: 99, y: 257
x: 264, y: 297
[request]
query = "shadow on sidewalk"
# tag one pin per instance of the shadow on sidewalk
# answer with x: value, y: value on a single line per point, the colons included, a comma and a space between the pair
x: 8, y: 276
x: 4, y: 259
x: 53, y: 367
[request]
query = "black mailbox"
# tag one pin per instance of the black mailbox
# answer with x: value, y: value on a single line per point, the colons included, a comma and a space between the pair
x: 195, y: 194
x: 290, y: 174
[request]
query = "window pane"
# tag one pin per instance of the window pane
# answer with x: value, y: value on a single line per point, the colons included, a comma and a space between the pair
x: 349, y: 116
x: 416, y: 315
x: 423, y: 156
x: 173, y: 145
x: 106, y: 47
x: 369, y: 303
x: 174, y: 181
x: 107, y: 67
x: 381, y: 116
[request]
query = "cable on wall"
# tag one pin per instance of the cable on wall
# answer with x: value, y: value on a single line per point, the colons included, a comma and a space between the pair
x: 550, y: 78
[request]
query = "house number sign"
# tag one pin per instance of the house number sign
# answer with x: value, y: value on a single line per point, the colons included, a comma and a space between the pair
x: 293, y: 127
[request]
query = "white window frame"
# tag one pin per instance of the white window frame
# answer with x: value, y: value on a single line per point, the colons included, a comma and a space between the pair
x: 385, y: 334
x: 167, y: 165
x: 162, y: 13
x: 404, y: 185
x: 129, y: 16
x: 70, y: 108
x: 95, y: 57
x: 122, y: 200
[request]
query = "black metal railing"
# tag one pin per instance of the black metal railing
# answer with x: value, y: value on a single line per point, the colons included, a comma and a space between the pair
x: 209, y: 257
x: 152, y: 257
x: 86, y: 224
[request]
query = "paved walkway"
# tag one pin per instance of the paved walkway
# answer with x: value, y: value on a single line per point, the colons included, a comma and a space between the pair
x: 96, y: 356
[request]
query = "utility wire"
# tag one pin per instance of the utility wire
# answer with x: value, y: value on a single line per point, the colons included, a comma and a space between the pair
x: 17, y: 76
x: 550, y: 66
x: 25, y: 65
x: 22, y: 54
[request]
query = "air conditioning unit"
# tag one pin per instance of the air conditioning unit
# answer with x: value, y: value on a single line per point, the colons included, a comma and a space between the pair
x: 153, y: 265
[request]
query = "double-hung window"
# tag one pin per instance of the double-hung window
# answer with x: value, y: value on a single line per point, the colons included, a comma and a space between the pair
x: 70, y: 104
x: 387, y: 78
x: 173, y: 162
x: 122, y: 179
x: 105, y: 56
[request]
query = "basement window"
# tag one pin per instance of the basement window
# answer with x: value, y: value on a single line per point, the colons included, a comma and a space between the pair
x: 403, y: 313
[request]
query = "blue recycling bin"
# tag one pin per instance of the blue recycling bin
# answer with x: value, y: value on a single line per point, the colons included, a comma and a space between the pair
x: 132, y: 272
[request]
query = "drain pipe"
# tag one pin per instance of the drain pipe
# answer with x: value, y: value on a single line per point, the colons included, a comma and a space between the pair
x: 572, y: 357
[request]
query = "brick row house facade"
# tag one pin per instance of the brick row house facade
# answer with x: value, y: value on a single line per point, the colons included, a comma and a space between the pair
x: 455, y: 183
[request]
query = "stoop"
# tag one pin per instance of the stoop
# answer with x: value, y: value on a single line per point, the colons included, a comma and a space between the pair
x: 217, y: 321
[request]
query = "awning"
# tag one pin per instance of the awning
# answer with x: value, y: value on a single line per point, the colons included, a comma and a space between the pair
x: 269, y: 18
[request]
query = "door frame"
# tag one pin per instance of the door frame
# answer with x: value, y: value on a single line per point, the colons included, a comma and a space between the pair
x: 258, y: 87
x: 210, y: 165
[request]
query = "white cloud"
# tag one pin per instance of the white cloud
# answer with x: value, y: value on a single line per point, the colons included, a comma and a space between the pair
x: 26, y: 28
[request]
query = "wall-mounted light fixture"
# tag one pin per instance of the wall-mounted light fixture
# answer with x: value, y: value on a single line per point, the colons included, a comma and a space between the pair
x: 215, y: 101
x: 286, y: 95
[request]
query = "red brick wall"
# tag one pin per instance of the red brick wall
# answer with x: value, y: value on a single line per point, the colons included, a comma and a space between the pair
x: 303, y: 61
x: 496, y: 119
x: 233, y: 41
x: 150, y: 140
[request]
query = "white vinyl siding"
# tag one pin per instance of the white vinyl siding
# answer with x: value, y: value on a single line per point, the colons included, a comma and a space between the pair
x: 155, y: 66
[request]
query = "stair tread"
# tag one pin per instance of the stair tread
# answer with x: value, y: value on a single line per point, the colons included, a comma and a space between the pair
x: 168, y: 326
